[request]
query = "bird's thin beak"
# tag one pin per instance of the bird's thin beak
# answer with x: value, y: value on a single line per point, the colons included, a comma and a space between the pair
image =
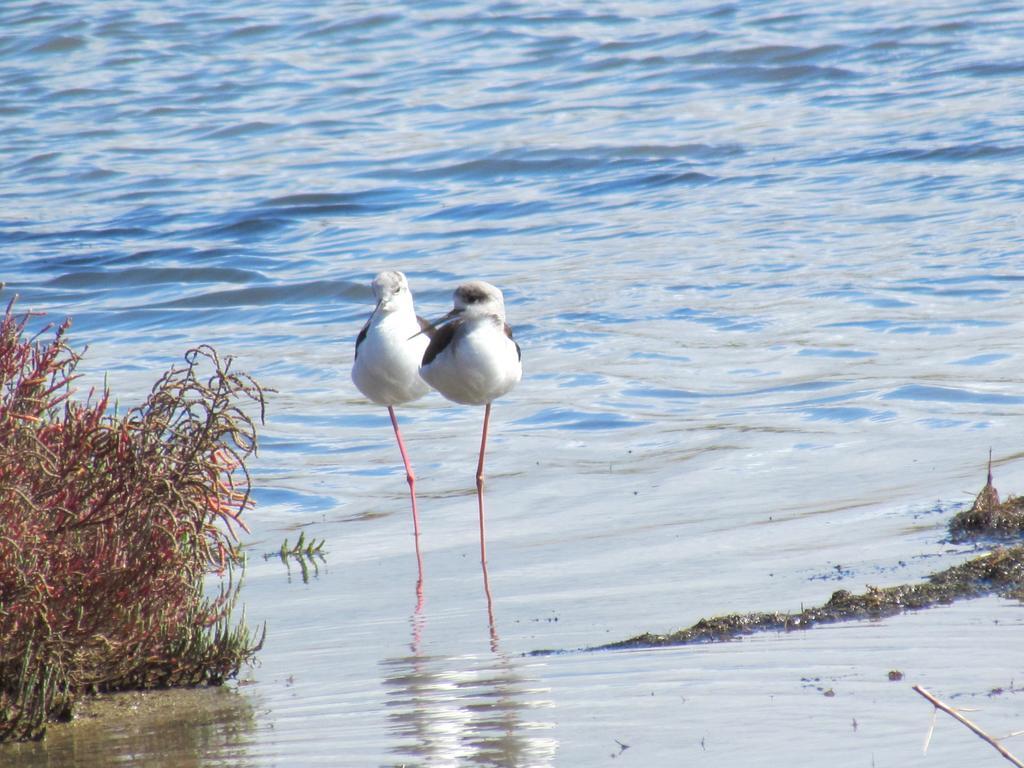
x: 438, y: 323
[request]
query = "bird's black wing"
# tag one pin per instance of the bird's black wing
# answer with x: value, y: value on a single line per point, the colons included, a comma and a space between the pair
x: 361, y: 336
x: 440, y: 340
x: 508, y: 332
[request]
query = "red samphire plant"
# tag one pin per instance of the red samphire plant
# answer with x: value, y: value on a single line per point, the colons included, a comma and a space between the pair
x: 110, y: 525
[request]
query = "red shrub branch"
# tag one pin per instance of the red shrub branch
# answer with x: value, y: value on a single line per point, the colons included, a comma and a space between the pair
x: 109, y: 525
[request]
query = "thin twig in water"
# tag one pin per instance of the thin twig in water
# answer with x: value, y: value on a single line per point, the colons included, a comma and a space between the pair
x: 977, y: 730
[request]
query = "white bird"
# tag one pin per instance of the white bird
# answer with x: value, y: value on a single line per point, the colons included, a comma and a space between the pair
x: 473, y: 359
x: 389, y: 349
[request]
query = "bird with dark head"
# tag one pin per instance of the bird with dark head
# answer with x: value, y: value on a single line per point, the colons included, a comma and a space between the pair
x: 473, y: 359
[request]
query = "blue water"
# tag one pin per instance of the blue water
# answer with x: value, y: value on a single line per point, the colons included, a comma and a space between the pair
x: 762, y: 258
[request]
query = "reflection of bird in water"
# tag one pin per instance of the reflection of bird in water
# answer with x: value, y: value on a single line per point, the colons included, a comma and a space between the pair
x: 467, y: 710
x: 389, y: 349
x: 472, y: 359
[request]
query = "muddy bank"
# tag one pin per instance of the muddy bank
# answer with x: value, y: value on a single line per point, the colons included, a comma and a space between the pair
x: 172, y: 727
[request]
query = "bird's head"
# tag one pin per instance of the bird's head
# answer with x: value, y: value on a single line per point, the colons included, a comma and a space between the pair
x: 391, y: 290
x: 477, y: 298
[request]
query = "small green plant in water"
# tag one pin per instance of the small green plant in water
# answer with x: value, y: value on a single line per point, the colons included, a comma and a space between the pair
x: 305, y: 553
x: 303, y: 548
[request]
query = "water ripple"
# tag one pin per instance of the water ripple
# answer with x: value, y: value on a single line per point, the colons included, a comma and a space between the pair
x: 950, y: 395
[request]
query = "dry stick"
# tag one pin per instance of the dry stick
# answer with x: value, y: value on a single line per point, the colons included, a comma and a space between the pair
x: 978, y: 731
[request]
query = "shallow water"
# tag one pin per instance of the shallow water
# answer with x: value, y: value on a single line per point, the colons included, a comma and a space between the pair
x: 762, y: 260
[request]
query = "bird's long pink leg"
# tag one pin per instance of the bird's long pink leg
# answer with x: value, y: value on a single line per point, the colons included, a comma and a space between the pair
x: 480, y: 483
x: 411, y: 478
x: 418, y: 619
x: 490, y: 608
x: 483, y: 539
x: 419, y: 576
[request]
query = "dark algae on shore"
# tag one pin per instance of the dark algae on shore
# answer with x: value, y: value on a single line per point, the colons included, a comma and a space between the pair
x: 988, y: 516
x: 111, y: 525
x: 999, y: 572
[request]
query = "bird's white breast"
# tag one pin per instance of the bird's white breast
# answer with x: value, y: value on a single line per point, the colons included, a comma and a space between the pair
x: 479, y: 365
x: 386, y: 368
